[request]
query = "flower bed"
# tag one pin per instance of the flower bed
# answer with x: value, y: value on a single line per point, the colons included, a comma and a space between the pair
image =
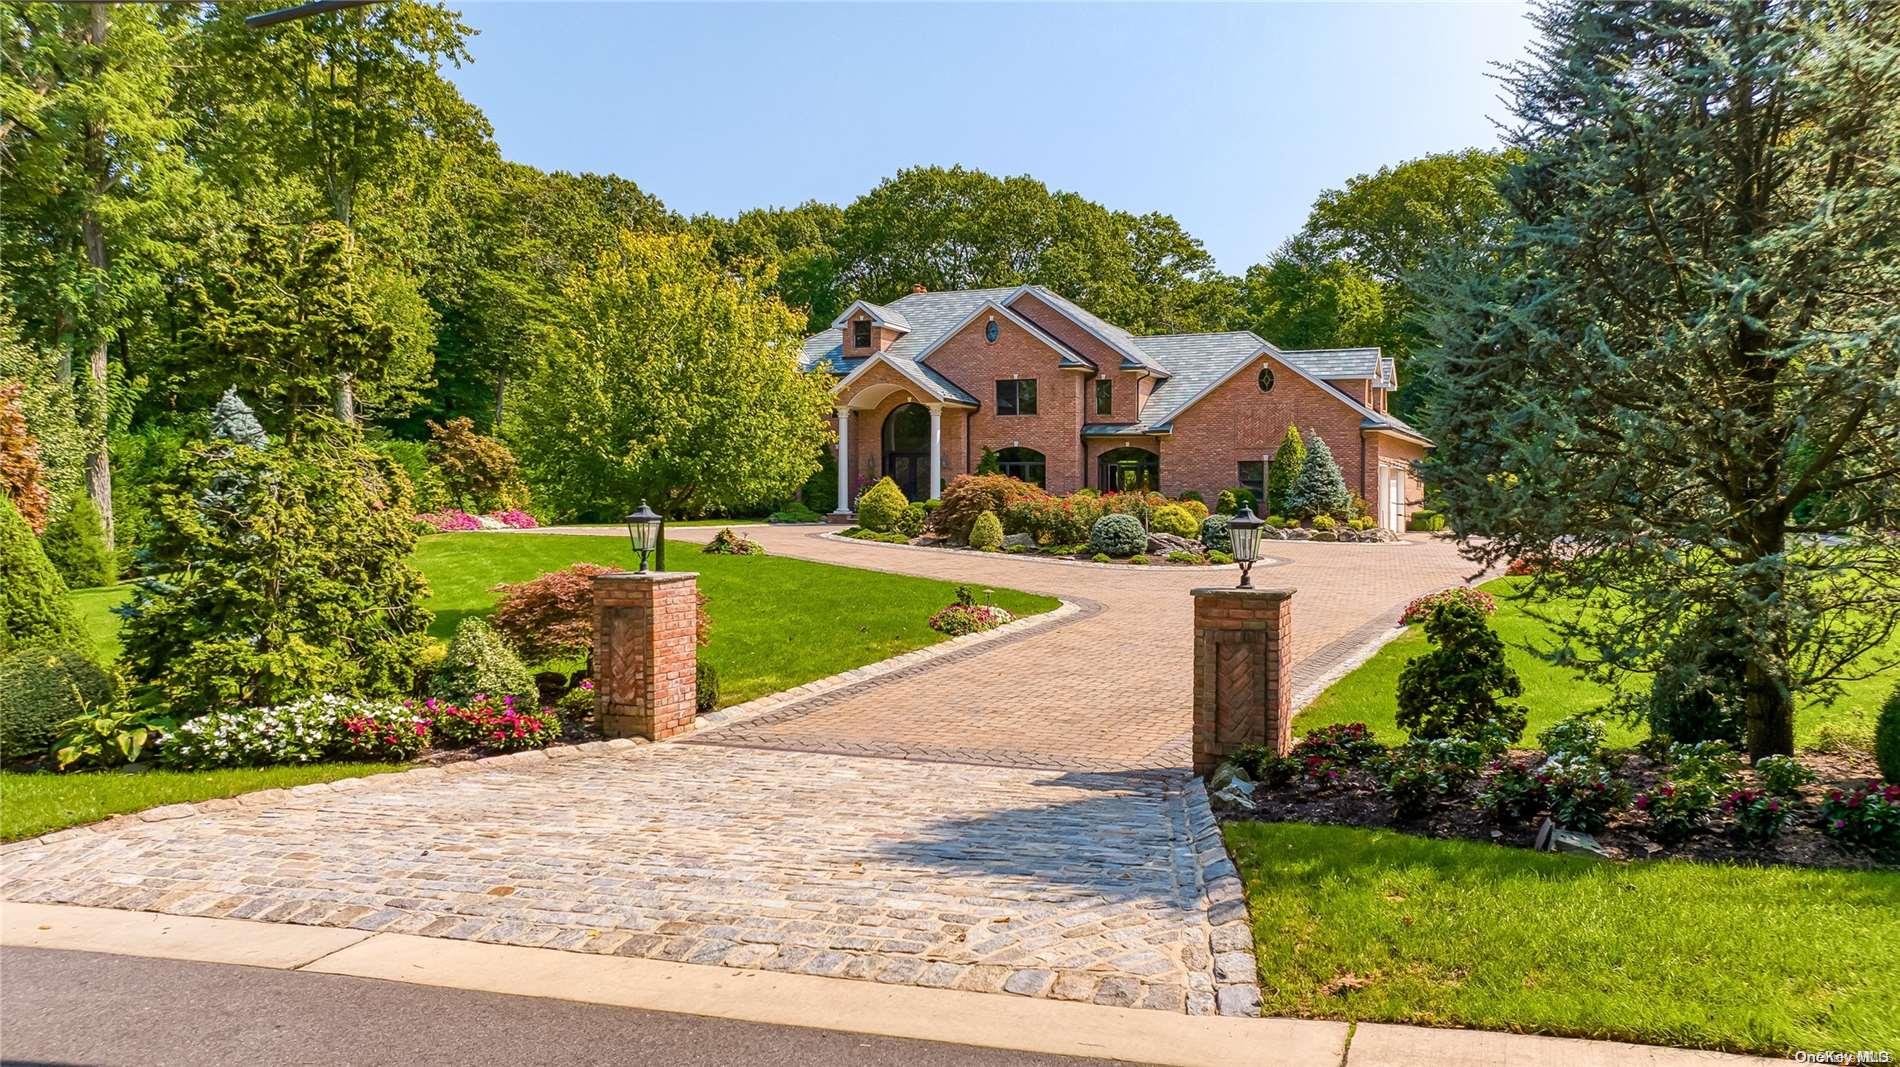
x: 332, y: 727
x: 1691, y: 802
x: 455, y: 521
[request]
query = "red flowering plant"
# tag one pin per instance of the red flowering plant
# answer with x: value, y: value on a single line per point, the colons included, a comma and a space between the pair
x: 1758, y: 817
x: 1867, y: 818
x: 501, y: 724
x: 1421, y: 608
x: 1323, y: 755
x: 395, y: 733
x: 1677, y: 809
x: 966, y: 616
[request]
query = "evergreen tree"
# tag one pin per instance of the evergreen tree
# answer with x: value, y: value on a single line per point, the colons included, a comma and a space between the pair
x: 35, y: 606
x: 1682, y: 381
x: 1320, y: 488
x: 75, y: 543
x: 1288, y: 460
x: 233, y: 421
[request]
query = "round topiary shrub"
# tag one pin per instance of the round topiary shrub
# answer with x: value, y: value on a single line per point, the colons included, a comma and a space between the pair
x: 987, y: 531
x: 1196, y: 509
x: 1887, y: 738
x: 1174, y: 519
x: 911, y: 523
x: 480, y: 662
x: 1118, y: 535
x: 1214, y: 533
x: 44, y: 686
x: 881, y: 506
x: 1688, y: 702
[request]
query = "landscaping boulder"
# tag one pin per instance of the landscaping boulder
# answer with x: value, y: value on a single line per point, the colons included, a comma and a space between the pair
x: 1025, y: 540
x: 1160, y: 544
x: 1295, y: 533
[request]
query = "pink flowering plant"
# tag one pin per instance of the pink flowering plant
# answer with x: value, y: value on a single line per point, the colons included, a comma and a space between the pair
x: 1421, y: 608
x: 1677, y: 809
x: 1866, y: 818
x: 389, y: 733
x: 450, y: 521
x: 966, y: 616
x: 515, y: 519
x: 1758, y: 817
x: 503, y: 724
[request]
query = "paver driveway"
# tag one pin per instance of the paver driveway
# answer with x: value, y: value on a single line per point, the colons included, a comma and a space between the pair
x: 1013, y: 817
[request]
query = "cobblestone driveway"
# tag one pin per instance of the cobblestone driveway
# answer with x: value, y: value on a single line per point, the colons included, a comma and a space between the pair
x: 1010, y: 818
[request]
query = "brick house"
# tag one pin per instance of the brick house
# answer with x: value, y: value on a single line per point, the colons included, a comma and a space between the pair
x: 1068, y: 400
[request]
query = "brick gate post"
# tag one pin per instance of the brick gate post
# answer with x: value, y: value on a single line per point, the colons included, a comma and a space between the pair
x: 645, y: 653
x: 1243, y: 685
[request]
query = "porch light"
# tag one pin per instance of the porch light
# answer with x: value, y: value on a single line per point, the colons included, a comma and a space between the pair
x: 1244, y: 528
x: 643, y: 528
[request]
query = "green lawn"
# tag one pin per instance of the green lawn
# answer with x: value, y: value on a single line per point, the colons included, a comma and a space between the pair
x: 1456, y: 933
x: 40, y: 803
x: 776, y: 622
x: 1370, y: 693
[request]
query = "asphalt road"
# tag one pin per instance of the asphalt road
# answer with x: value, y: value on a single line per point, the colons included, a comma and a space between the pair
x: 88, y: 1008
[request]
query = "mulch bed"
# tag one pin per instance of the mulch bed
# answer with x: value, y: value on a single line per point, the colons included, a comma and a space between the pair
x: 1357, y: 800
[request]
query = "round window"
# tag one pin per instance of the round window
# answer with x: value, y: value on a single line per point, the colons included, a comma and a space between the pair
x: 1266, y: 378
x: 992, y: 332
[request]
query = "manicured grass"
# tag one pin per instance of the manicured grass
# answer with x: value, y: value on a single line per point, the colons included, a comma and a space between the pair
x: 776, y: 623
x: 1370, y: 693
x: 34, y: 804
x: 1455, y: 933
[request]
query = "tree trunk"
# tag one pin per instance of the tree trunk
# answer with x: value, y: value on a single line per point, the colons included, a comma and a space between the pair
x: 344, y: 400
x: 99, y: 460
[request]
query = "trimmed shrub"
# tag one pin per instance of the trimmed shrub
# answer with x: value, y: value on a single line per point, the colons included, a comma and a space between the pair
x: 1214, y: 533
x: 1320, y: 488
x: 1686, y: 699
x: 34, y: 604
x: 1324, y: 522
x: 987, y: 531
x: 1421, y: 607
x: 1195, y: 509
x: 795, y: 512
x: 479, y: 471
x: 75, y: 544
x: 881, y: 505
x: 1226, y: 503
x: 552, y: 616
x: 1887, y: 738
x: 1175, y: 520
x: 988, y: 465
x: 705, y: 688
x: 1217, y: 556
x: 480, y: 662
x: 1454, y: 689
x: 1138, y: 559
x: 1425, y: 521
x: 911, y: 523
x: 44, y: 686
x: 1118, y: 535
x: 1185, y: 557
x: 1195, y: 496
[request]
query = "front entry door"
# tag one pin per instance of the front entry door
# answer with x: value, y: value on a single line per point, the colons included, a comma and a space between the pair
x: 910, y: 470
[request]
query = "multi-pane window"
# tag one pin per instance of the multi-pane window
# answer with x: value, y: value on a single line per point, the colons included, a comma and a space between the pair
x: 1253, y: 476
x: 861, y: 333
x: 1024, y: 465
x: 1104, y: 396
x: 1017, y: 396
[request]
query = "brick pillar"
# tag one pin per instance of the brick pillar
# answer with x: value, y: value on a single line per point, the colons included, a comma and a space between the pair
x: 645, y: 652
x: 1243, y: 678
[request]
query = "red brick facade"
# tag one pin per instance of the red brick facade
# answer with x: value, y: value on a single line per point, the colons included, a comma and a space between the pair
x: 1232, y: 422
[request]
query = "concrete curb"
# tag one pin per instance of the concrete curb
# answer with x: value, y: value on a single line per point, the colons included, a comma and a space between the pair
x: 991, y: 1020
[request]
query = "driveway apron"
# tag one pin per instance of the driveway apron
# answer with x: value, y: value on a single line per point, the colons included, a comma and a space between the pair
x: 1015, y: 817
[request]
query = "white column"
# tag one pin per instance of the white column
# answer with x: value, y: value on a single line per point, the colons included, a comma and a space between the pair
x: 844, y: 460
x: 936, y: 451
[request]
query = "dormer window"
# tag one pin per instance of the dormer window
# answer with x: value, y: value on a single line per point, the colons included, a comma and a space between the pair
x: 861, y: 333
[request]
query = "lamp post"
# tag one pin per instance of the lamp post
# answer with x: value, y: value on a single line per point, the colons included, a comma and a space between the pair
x: 644, y: 529
x: 1244, y: 528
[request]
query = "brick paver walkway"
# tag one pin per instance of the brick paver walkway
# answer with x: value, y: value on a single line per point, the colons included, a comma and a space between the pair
x: 1012, y: 817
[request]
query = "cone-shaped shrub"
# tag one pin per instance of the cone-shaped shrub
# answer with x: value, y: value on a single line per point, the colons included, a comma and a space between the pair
x: 1320, y: 489
x: 881, y: 506
x: 75, y: 543
x: 987, y: 531
x: 1288, y: 460
x: 35, y: 607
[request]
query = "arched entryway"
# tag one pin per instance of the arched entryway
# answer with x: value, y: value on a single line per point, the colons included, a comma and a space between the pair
x: 907, y: 449
x: 1024, y: 465
x: 1128, y: 468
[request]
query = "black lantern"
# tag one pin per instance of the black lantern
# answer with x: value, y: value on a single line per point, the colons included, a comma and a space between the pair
x: 1244, y: 528
x: 643, y: 528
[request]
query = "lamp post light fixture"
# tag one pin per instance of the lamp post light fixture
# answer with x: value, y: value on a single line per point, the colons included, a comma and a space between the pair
x: 1244, y: 528
x: 643, y: 528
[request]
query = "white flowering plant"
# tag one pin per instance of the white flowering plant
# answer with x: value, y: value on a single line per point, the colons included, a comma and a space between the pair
x: 306, y: 731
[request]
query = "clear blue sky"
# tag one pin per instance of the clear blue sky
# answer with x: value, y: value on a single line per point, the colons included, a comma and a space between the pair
x: 1230, y: 118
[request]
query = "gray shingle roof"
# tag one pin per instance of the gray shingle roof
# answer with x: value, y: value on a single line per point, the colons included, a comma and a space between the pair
x: 888, y: 316
x: 1117, y: 337
x: 1336, y: 362
x: 1196, y: 360
x: 929, y: 315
